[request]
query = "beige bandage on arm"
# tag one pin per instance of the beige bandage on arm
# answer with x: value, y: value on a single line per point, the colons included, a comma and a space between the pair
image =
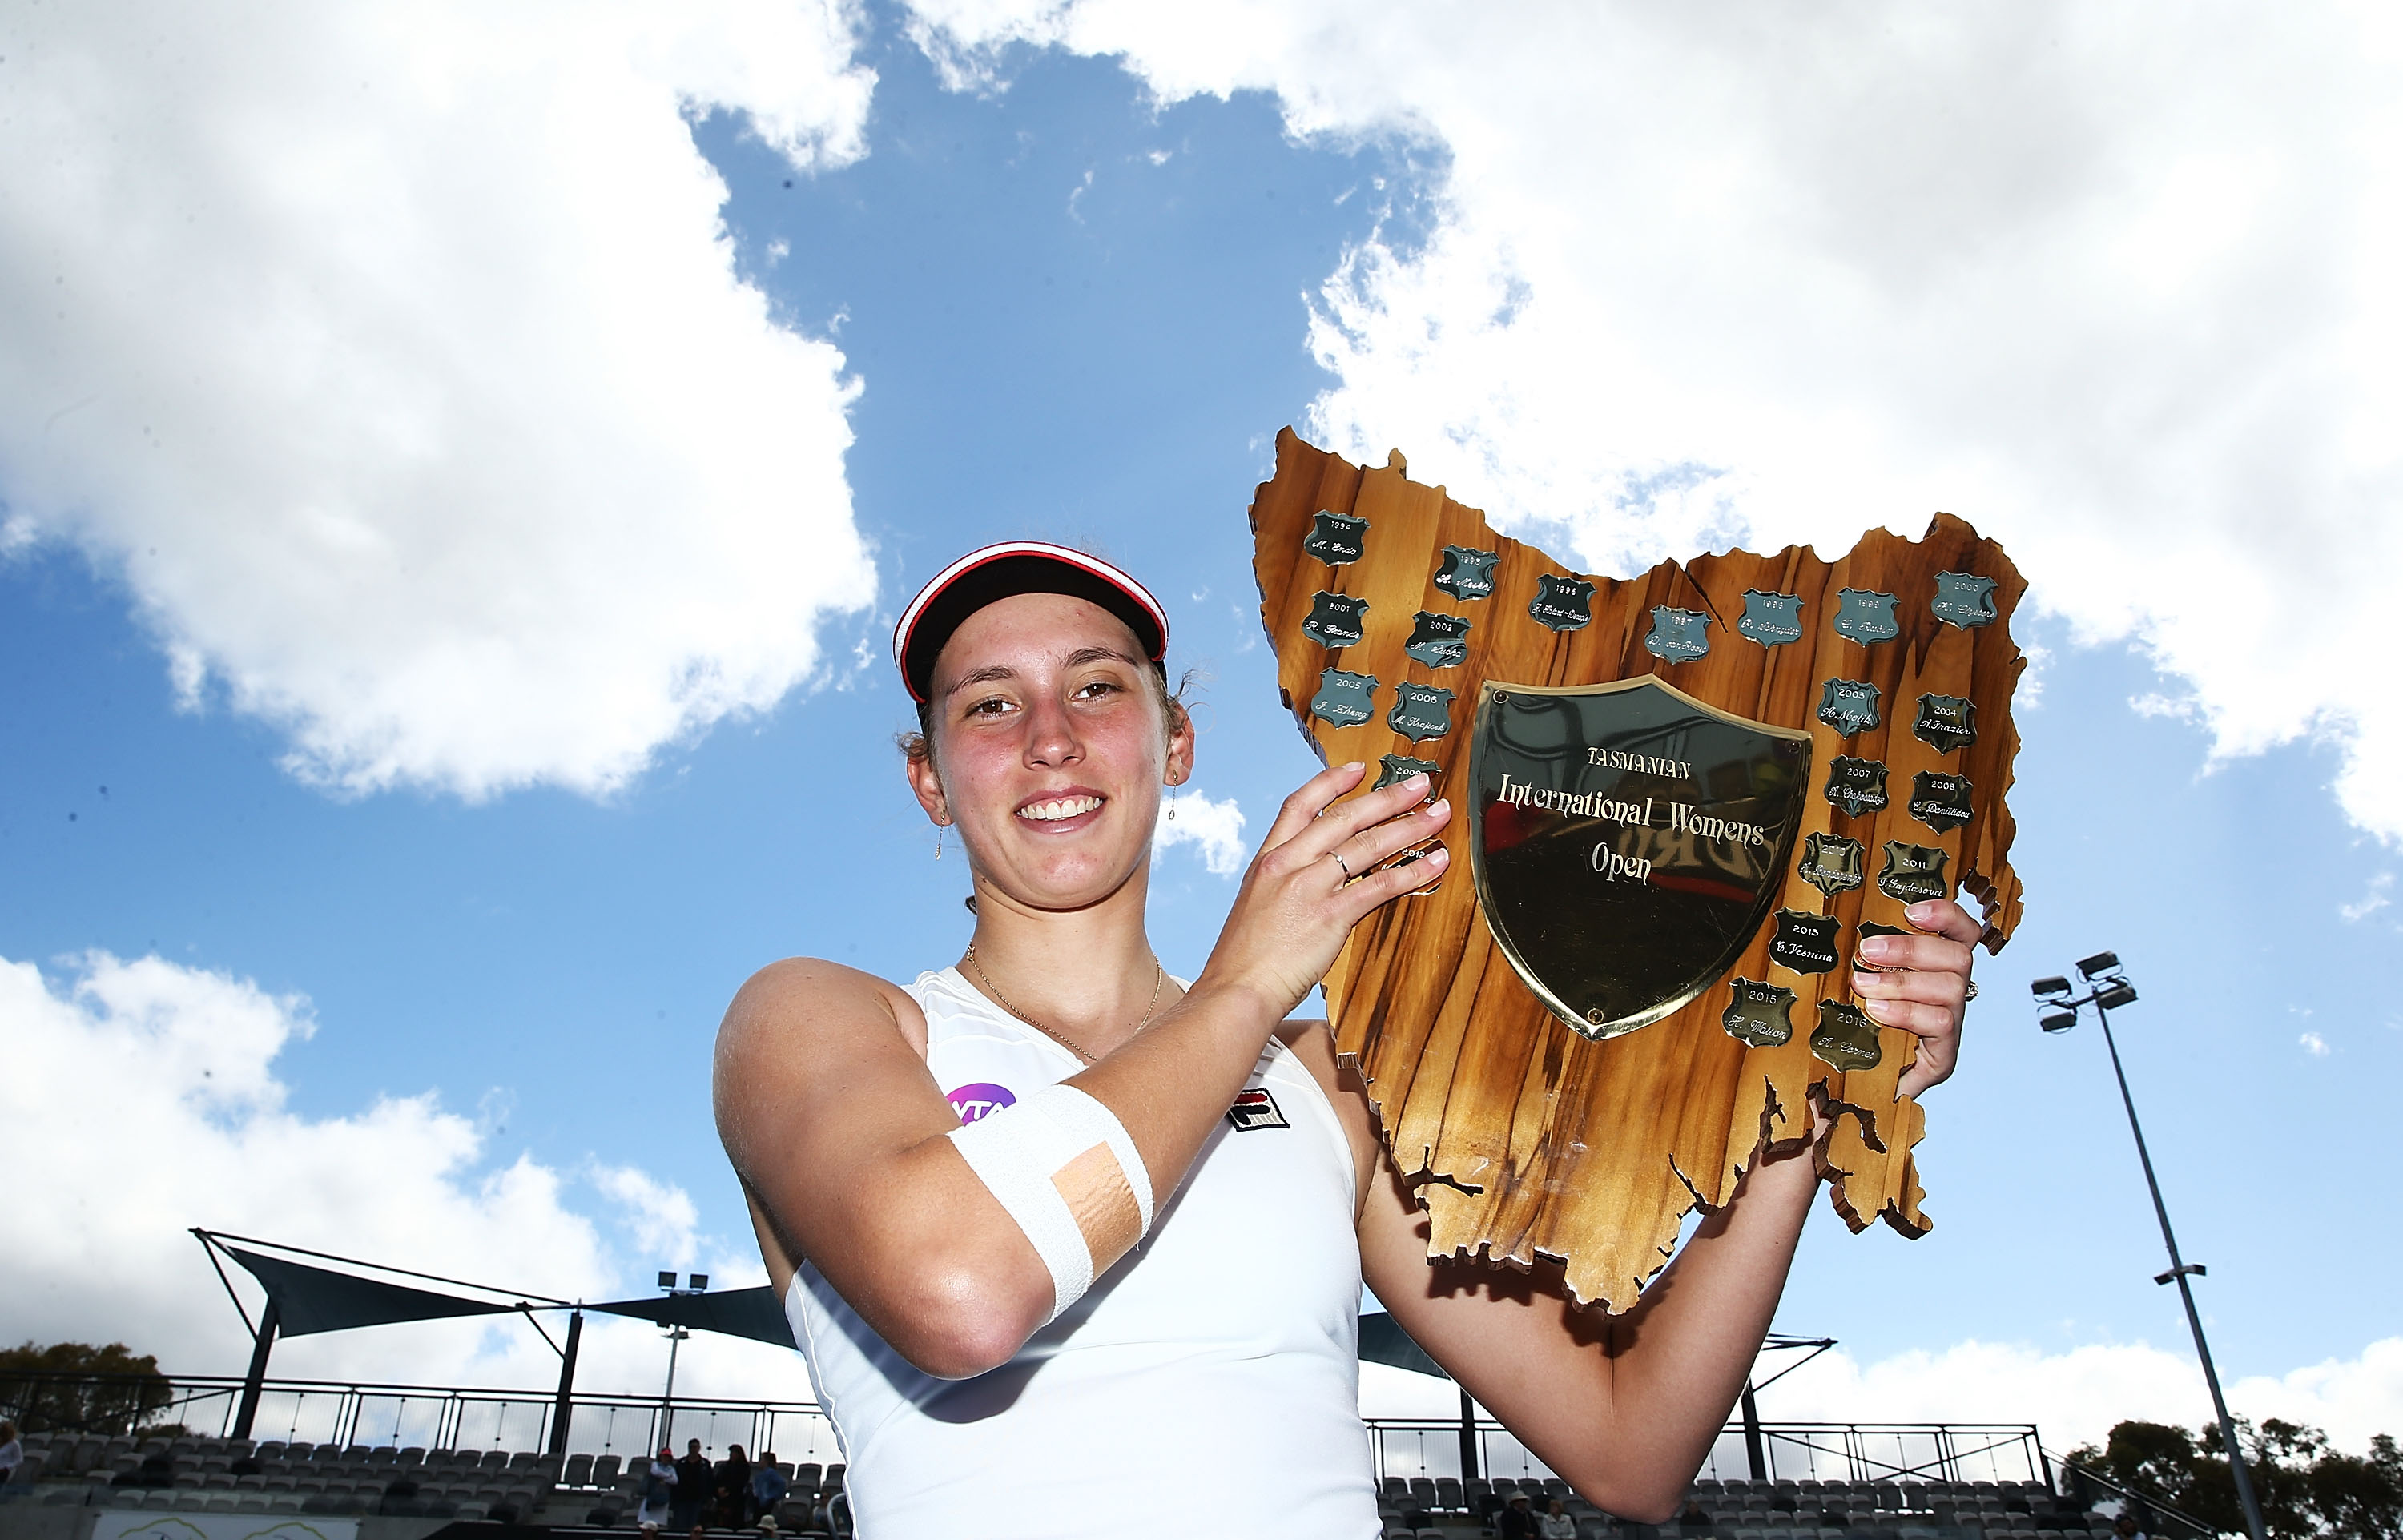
x: 1062, y: 1167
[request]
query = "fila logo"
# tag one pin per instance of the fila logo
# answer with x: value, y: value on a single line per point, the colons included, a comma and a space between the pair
x: 1256, y: 1109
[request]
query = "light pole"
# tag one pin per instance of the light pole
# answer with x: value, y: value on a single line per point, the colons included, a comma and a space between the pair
x: 2108, y: 986
x: 677, y: 1335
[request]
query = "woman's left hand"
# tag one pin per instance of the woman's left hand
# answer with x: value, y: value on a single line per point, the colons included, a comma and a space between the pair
x: 1920, y: 984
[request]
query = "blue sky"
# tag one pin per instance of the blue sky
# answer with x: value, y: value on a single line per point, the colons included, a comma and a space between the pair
x: 438, y: 947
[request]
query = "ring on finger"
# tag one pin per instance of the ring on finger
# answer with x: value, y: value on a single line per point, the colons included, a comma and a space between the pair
x: 1341, y: 862
x: 1968, y: 991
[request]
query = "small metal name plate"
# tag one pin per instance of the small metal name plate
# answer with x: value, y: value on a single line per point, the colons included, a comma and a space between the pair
x: 1337, y: 539
x: 1344, y: 699
x: 1467, y: 572
x: 1335, y: 619
x: 1866, y: 618
x: 1772, y: 619
x: 1849, y: 705
x: 1439, y: 640
x: 1561, y: 603
x: 1758, y: 1013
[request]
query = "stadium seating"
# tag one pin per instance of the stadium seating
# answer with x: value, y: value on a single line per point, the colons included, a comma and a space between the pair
x: 588, y: 1490
x: 236, y: 1476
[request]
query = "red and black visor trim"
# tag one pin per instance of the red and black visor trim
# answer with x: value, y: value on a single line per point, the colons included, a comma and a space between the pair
x: 1013, y: 567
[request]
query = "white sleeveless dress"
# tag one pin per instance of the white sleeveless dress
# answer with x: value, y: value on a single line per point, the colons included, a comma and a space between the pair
x: 1209, y: 1383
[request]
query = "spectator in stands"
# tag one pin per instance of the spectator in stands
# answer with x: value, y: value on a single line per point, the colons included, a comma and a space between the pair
x: 692, y: 1487
x: 1693, y: 1520
x: 1554, y: 1523
x: 732, y: 1478
x: 936, y: 1270
x: 13, y: 1456
x: 768, y: 1489
x: 2126, y: 1527
x: 1517, y: 1522
x: 658, y: 1489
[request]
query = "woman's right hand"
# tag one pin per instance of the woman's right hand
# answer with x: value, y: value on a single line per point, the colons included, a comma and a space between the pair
x: 1316, y: 876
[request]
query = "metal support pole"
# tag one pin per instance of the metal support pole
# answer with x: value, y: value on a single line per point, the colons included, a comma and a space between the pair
x: 667, y: 1398
x: 2179, y: 1271
x: 1467, y: 1437
x: 1752, y: 1451
x: 255, y: 1380
x: 565, y: 1405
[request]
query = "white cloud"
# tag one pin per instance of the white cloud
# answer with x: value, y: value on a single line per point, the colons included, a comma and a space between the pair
x: 661, y: 1216
x: 2075, y: 1397
x: 2382, y: 888
x: 198, y: 1132
x: 2313, y: 1043
x: 394, y: 356
x: 1215, y: 829
x: 2112, y: 284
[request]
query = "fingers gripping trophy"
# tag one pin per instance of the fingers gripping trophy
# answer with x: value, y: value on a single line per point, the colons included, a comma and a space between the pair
x: 1057, y: 1229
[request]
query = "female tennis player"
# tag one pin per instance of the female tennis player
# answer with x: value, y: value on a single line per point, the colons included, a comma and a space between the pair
x: 1047, y: 1282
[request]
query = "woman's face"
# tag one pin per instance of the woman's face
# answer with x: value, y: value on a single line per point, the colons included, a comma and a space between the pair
x: 1050, y: 746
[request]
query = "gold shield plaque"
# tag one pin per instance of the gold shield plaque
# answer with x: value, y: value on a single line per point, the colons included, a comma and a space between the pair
x: 1626, y: 840
x: 1639, y: 963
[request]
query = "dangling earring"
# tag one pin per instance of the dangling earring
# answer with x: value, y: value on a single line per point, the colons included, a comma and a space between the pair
x: 1171, y: 807
x: 939, y: 842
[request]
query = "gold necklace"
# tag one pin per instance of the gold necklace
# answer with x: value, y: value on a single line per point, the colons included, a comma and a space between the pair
x: 1159, y: 977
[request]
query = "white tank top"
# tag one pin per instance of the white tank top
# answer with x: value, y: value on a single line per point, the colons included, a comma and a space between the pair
x: 1216, y: 1364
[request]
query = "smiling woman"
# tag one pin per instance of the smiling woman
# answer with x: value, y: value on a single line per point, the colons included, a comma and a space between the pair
x: 1056, y: 1230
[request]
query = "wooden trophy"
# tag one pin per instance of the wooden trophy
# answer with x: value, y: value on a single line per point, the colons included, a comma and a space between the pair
x: 1683, y: 799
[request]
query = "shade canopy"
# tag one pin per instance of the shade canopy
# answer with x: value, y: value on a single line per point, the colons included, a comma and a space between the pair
x: 1383, y: 1340
x: 309, y: 1299
x: 755, y: 1313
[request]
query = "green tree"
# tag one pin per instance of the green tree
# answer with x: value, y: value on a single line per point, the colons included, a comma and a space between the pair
x: 2363, y: 1496
x: 2306, y: 1490
x: 73, y: 1387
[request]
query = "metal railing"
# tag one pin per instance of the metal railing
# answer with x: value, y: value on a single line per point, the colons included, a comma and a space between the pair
x: 2165, y: 1519
x: 346, y: 1413
x: 1820, y: 1451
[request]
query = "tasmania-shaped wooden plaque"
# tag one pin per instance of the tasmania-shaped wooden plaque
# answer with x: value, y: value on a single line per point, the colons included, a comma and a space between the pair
x: 1682, y: 800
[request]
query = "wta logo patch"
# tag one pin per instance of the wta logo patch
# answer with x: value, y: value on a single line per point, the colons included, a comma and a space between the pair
x: 1256, y: 1109
x: 979, y: 1099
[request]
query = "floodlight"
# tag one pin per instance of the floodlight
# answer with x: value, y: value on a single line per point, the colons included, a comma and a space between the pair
x: 667, y: 1279
x: 2043, y: 988
x: 2120, y: 993
x: 2101, y: 962
x: 2057, y: 1020
x: 701, y: 1280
